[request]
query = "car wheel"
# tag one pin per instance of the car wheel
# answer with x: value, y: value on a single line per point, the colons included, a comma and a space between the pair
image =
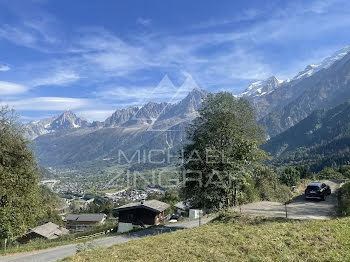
x: 323, y: 198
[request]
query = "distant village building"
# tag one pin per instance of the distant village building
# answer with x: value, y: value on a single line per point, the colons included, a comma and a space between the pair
x: 151, y: 212
x: 46, y: 231
x: 83, y: 222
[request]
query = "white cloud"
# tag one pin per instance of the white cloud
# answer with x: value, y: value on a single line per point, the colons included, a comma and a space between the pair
x: 165, y: 91
x: 245, y: 15
x: 35, y: 28
x: 144, y: 21
x: 103, y: 51
x: 4, y: 68
x: 17, y: 35
x: 58, y: 78
x: 48, y: 103
x: 215, y: 58
x: 9, y: 88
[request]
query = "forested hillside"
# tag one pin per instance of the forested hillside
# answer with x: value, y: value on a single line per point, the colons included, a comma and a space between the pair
x: 326, y: 88
x: 320, y: 140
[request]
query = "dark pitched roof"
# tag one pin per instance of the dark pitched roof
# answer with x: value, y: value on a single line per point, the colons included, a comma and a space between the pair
x: 49, y: 230
x: 85, y: 217
x: 153, y: 205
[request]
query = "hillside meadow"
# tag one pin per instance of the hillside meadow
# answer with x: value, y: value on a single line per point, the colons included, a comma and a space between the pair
x: 233, y: 237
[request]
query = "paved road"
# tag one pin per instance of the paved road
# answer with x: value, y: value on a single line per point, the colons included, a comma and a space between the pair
x: 60, y: 252
x: 300, y: 208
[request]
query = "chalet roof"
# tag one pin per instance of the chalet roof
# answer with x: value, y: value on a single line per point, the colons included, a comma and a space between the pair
x: 85, y: 217
x: 49, y: 230
x: 153, y: 205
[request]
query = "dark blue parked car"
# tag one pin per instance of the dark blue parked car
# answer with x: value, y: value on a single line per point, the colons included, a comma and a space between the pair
x: 317, y: 190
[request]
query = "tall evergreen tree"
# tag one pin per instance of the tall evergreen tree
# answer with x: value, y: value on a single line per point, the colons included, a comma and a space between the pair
x: 19, y: 191
x: 222, y: 149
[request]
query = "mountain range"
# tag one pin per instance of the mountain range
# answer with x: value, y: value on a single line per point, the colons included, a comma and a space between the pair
x: 321, y: 139
x: 285, y: 103
x: 279, y: 104
x: 68, y: 139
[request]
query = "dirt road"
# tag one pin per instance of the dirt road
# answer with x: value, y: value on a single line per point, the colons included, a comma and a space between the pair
x: 300, y: 208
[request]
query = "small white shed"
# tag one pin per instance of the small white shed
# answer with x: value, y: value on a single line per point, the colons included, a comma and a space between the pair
x: 195, y: 213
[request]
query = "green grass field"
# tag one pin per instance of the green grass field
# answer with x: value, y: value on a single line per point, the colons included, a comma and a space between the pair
x: 233, y: 237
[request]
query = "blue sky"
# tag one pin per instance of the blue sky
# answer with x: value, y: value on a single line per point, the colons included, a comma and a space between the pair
x: 96, y: 56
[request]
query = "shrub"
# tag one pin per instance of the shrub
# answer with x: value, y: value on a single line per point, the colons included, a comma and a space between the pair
x: 329, y: 173
x: 248, y: 192
x: 268, y: 186
x: 345, y: 171
x: 290, y: 176
x: 343, y: 197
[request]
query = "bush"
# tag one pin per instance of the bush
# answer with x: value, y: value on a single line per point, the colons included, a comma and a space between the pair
x: 268, y: 186
x: 304, y: 172
x: 345, y: 171
x: 248, y: 192
x: 329, y: 173
x: 290, y: 176
x: 343, y: 197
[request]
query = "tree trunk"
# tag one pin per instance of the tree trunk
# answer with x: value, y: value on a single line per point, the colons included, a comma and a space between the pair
x: 235, y: 196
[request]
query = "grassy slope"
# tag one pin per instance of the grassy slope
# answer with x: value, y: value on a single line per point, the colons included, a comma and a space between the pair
x: 236, y: 238
x: 39, y: 244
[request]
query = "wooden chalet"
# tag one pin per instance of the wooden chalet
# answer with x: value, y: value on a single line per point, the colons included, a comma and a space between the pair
x: 46, y: 231
x: 151, y: 212
x: 83, y: 222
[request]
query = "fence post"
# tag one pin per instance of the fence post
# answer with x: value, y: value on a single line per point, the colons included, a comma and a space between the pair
x: 5, y: 243
x: 285, y: 205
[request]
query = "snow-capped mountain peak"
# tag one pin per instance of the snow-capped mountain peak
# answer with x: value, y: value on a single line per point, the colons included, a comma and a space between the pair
x: 308, y: 71
x: 67, y: 120
x: 326, y: 63
x: 262, y: 87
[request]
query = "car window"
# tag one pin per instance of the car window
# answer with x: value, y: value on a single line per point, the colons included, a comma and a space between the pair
x: 314, y: 188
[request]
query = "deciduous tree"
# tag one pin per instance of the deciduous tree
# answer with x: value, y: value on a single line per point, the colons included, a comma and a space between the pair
x: 19, y: 191
x: 222, y: 149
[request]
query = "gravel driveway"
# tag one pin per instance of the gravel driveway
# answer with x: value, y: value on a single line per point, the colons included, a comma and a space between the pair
x: 53, y: 254
x: 300, y: 208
